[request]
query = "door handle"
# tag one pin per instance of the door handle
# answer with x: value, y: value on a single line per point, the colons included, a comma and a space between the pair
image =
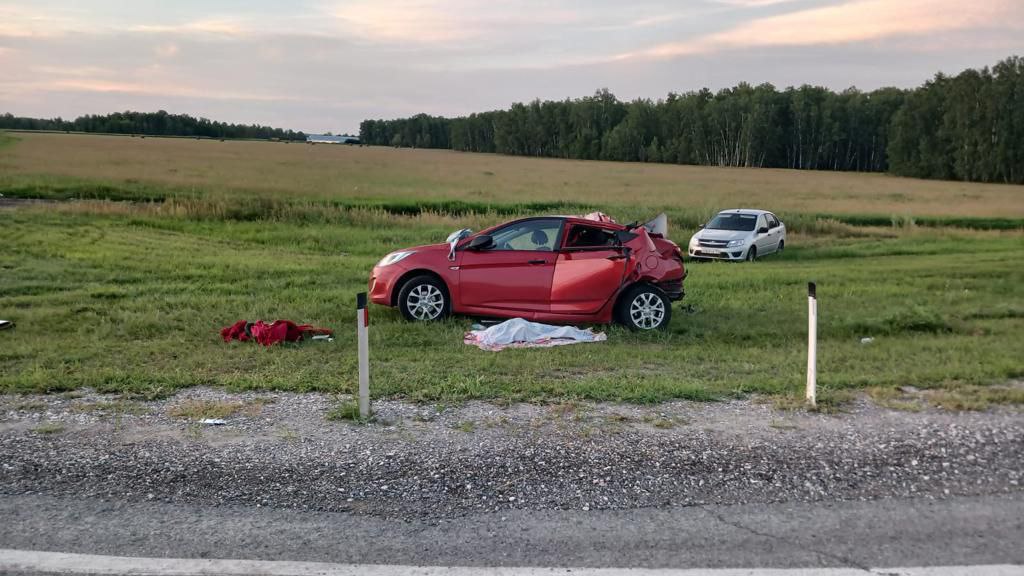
x: 535, y: 262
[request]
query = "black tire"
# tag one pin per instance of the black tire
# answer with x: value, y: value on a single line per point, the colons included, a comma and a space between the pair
x: 752, y: 254
x: 782, y: 246
x: 424, y: 299
x: 638, y: 308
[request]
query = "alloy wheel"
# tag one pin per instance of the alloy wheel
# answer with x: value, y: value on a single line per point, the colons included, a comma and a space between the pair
x: 647, y: 311
x: 425, y: 302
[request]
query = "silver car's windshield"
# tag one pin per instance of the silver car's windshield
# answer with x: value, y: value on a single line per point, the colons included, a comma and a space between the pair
x: 735, y: 222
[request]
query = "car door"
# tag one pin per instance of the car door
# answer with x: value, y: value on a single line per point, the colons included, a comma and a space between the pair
x: 516, y: 273
x: 763, y: 241
x: 589, y: 269
x: 774, y: 232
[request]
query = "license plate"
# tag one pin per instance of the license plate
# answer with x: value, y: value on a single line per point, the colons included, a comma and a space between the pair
x: 711, y: 250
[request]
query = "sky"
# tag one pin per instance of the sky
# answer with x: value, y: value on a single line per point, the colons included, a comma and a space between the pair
x: 325, y: 65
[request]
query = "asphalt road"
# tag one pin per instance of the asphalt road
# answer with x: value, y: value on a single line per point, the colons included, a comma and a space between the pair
x: 859, y: 535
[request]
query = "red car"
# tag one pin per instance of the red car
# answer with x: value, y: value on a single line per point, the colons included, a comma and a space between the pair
x: 560, y: 269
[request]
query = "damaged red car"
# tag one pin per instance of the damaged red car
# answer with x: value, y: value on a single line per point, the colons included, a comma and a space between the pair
x: 557, y: 269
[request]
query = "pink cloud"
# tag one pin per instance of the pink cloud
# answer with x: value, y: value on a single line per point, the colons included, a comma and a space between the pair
x: 855, y: 21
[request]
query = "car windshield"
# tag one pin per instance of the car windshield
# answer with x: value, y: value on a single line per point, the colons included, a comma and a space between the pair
x: 736, y: 222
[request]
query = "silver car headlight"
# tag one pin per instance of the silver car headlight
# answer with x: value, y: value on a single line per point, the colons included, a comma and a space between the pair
x: 735, y: 243
x: 694, y: 242
x: 395, y: 257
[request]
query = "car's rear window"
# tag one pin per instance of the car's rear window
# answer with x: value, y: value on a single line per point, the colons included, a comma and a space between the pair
x: 737, y: 222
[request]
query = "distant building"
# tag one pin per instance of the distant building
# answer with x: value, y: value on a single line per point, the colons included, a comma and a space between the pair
x: 328, y: 139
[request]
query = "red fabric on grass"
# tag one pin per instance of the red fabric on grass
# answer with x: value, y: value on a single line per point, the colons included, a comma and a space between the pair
x: 270, y: 334
x: 235, y: 332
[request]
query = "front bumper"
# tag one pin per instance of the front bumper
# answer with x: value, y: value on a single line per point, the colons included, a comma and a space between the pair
x: 382, y: 281
x: 703, y: 253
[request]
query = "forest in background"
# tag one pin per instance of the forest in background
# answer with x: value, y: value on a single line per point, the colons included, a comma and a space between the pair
x: 151, y: 124
x: 964, y: 127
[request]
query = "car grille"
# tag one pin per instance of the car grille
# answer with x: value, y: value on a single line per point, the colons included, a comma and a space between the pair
x: 724, y: 255
x: 713, y: 243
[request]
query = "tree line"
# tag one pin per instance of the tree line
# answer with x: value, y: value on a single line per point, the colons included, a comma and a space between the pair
x: 152, y: 124
x: 967, y: 127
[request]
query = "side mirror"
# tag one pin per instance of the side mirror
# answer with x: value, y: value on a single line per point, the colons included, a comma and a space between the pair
x: 701, y: 227
x: 482, y: 242
x: 762, y: 230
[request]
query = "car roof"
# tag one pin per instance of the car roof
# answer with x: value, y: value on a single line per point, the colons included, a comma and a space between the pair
x: 569, y: 219
x: 751, y: 211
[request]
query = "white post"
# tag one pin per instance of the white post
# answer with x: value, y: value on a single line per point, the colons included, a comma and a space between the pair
x: 812, y: 344
x: 362, y: 324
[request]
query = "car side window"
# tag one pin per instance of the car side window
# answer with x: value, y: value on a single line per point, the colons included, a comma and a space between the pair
x: 589, y: 236
x: 537, y: 235
x: 773, y: 222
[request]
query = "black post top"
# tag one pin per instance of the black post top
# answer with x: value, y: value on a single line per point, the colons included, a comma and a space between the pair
x: 812, y: 290
x: 360, y: 300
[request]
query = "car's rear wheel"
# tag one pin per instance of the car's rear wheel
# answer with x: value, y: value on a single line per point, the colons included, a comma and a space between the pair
x: 424, y: 299
x: 644, y: 307
x: 752, y: 254
x: 782, y: 245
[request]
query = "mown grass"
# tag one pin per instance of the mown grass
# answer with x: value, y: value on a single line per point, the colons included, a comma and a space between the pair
x: 133, y: 304
x: 244, y: 171
x: 128, y: 297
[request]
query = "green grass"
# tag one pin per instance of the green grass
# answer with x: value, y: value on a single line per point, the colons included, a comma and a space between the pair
x: 133, y: 303
x: 346, y: 410
x: 128, y: 297
x: 6, y: 139
x: 214, y: 409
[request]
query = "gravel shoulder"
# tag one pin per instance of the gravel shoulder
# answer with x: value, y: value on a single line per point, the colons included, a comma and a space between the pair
x: 278, y: 450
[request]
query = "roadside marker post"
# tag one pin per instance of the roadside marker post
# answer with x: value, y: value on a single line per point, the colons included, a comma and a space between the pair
x: 812, y: 344
x: 362, y: 326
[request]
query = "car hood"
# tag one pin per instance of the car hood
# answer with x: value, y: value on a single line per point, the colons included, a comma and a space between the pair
x: 425, y: 248
x: 721, y: 235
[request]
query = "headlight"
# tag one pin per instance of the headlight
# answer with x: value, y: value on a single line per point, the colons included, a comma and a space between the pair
x: 735, y: 243
x: 395, y: 257
x: 694, y: 241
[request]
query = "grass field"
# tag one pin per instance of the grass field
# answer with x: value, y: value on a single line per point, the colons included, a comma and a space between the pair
x: 128, y: 297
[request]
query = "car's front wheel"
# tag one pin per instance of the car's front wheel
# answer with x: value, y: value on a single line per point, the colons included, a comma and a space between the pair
x: 423, y: 299
x: 644, y: 307
x: 752, y: 254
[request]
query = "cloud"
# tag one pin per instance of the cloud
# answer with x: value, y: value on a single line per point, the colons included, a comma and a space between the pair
x: 168, y: 50
x: 18, y: 22
x: 752, y: 3
x: 211, y: 27
x: 169, y: 90
x: 73, y: 71
x: 445, y: 22
x: 851, y: 22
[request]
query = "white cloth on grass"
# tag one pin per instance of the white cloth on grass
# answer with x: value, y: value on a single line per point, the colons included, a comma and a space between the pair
x: 520, y: 333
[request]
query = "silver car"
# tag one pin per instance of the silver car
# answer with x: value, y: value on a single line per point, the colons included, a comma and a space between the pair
x: 739, y: 234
